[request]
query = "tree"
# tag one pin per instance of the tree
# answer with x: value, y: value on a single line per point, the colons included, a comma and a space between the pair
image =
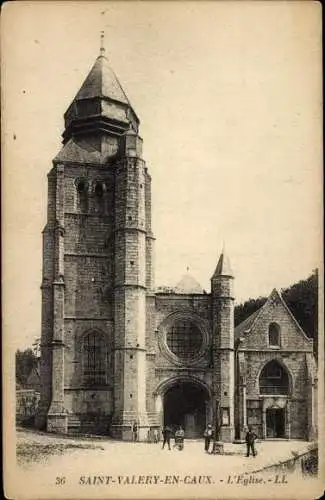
x: 25, y: 361
x: 243, y: 311
x: 302, y: 300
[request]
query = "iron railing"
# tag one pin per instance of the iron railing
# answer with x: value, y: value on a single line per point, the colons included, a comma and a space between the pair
x: 274, y: 389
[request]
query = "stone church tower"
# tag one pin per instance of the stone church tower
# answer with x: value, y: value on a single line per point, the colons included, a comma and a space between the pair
x: 114, y: 351
x: 97, y: 264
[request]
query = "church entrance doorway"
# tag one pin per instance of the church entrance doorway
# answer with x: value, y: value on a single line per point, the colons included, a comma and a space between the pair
x: 275, y: 423
x: 185, y: 404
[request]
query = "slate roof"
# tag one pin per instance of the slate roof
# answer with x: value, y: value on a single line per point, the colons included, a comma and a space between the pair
x: 246, y: 324
x: 102, y: 82
x: 223, y: 267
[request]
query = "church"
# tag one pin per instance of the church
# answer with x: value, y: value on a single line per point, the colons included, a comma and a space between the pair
x: 114, y: 350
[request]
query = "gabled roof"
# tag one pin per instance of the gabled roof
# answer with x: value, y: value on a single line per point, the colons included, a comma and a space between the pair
x: 246, y: 325
x: 188, y: 285
x: 34, y: 374
x: 276, y: 292
x: 33, y: 380
x: 102, y: 82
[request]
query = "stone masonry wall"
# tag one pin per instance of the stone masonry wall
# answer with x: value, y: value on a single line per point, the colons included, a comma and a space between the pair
x: 197, y: 307
x: 292, y: 337
x: 89, y: 268
x: 290, y: 354
x: 130, y: 295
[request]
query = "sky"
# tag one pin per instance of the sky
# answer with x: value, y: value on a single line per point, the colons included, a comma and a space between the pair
x: 229, y: 99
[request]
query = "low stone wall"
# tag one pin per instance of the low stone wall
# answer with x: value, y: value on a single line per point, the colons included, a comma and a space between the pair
x: 305, y: 463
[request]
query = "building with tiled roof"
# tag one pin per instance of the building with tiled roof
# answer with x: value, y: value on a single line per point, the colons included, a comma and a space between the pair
x: 27, y: 396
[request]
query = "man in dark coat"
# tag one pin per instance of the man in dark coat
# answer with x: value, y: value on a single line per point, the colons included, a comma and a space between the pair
x: 207, y: 437
x: 135, y: 431
x: 167, y: 434
x: 250, y: 442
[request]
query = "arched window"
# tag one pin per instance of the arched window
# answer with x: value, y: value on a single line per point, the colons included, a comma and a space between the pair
x: 82, y: 195
x: 274, y: 379
x: 184, y: 339
x: 95, y: 359
x: 99, y: 197
x: 274, y: 335
x: 99, y: 190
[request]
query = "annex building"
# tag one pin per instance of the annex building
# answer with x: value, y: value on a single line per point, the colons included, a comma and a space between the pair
x: 113, y: 350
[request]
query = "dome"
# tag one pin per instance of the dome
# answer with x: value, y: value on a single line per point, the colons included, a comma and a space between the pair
x: 188, y: 285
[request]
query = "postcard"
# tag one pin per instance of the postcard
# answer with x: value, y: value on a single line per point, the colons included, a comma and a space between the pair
x: 162, y: 250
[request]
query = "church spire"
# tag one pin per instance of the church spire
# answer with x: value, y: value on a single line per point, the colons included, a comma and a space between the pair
x: 223, y: 267
x: 101, y: 105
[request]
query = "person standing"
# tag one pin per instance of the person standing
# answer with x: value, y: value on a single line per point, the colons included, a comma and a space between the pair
x: 179, y: 438
x: 207, y: 437
x: 167, y: 434
x: 156, y: 436
x: 250, y: 441
x: 135, y: 431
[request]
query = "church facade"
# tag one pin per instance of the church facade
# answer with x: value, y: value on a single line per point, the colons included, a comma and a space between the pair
x: 115, y: 351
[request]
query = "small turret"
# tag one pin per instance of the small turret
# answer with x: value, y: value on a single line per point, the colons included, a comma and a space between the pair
x: 223, y: 344
x: 223, y: 267
x: 223, y: 277
x: 133, y: 144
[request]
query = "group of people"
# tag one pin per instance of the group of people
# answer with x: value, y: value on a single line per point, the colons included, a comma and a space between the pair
x: 154, y: 434
x: 167, y: 434
x: 179, y: 434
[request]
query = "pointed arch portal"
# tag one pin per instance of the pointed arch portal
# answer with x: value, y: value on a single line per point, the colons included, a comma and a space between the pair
x: 275, y: 387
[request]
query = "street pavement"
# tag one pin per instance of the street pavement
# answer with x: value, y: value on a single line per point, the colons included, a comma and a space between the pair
x: 129, y: 470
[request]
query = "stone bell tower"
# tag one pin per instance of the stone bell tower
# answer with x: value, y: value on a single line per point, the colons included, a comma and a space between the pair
x: 97, y: 266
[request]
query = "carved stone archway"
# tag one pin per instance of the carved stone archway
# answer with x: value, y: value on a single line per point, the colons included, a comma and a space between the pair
x: 186, y: 401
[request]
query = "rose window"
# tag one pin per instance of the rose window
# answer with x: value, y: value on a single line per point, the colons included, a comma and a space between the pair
x: 184, y: 339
